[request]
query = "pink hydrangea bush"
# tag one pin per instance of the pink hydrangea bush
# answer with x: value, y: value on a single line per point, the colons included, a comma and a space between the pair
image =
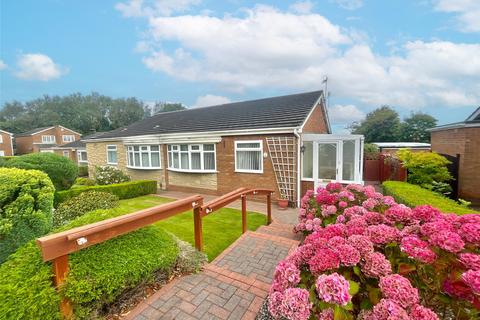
x: 366, y: 257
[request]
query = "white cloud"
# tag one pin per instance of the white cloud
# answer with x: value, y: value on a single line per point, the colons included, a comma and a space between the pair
x: 302, y: 6
x: 467, y: 11
x: 2, y: 65
x: 349, y: 4
x: 37, y: 66
x: 269, y: 48
x: 210, y: 100
x: 345, y: 114
x: 140, y: 8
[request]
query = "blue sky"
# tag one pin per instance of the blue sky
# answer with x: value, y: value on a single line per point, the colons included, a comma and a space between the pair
x: 412, y: 55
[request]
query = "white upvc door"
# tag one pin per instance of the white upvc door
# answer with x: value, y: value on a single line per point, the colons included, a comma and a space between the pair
x: 326, y: 162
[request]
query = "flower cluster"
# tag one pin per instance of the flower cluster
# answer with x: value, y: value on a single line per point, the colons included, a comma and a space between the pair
x: 362, y: 245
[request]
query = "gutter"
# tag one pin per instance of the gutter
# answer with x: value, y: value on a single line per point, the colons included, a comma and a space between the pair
x: 297, y: 133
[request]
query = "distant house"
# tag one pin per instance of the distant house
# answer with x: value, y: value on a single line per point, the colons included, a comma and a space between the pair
x: 280, y: 143
x: 463, y: 139
x: 75, y: 151
x: 6, y: 143
x: 44, y: 139
x: 393, y: 147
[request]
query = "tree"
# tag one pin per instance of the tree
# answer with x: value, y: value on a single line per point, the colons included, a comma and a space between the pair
x: 167, y: 107
x: 414, y: 128
x: 380, y: 125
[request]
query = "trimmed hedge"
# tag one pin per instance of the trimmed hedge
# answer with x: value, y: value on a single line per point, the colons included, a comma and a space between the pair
x: 126, y: 190
x: 26, y: 205
x: 97, y: 275
x: 413, y: 195
x: 62, y: 171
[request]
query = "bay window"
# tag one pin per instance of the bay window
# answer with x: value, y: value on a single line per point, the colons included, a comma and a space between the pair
x: 249, y: 156
x: 144, y: 157
x: 191, y: 157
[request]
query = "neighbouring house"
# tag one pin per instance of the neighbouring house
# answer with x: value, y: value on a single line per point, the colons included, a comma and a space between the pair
x: 393, y: 147
x: 44, y: 139
x: 6, y: 143
x: 75, y: 151
x: 462, y: 140
x: 280, y: 143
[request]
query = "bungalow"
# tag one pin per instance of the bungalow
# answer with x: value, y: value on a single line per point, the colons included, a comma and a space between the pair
x: 281, y: 143
x: 75, y: 151
x: 462, y: 139
x: 44, y: 139
x: 6, y: 143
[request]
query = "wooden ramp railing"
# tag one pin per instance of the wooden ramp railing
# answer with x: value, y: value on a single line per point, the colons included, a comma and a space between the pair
x: 57, y: 246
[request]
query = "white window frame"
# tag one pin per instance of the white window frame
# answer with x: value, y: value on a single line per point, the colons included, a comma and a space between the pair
x: 176, y: 148
x: 70, y: 137
x: 2, y: 153
x: 79, y: 156
x: 313, y: 164
x: 148, y: 150
x: 249, y: 149
x: 1, y: 138
x: 112, y: 147
x: 45, y: 140
x: 66, y: 154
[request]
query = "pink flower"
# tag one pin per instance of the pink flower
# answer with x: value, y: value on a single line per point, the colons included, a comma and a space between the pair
x: 293, y: 304
x: 324, y: 259
x: 436, y: 226
x: 419, y: 312
x: 399, y: 289
x: 470, y: 260
x: 382, y: 234
x: 355, y: 187
x: 333, y: 288
x: 448, y: 241
x: 389, y: 200
x: 336, y: 241
x: 470, y: 232
x: 328, y: 210
x: 370, y: 203
x: 275, y: 300
x: 325, y: 197
x: 340, y: 219
x: 345, y: 194
x: 286, y: 275
x: 361, y: 243
x: 348, y: 255
x: 469, y: 218
x: 388, y: 309
x: 348, y: 212
x: 373, y: 217
x: 472, y: 279
x: 333, y: 186
x: 358, y: 225
x: 332, y: 230
x: 342, y: 204
x: 376, y: 265
x: 326, y: 314
x: 425, y: 213
x: 418, y: 249
x: 399, y: 213
x: 369, y: 191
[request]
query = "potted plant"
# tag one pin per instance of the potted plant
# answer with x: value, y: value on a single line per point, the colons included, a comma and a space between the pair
x: 282, y: 202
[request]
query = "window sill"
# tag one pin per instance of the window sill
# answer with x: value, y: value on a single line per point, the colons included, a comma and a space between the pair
x: 144, y: 168
x: 112, y: 164
x: 192, y: 171
x: 249, y: 171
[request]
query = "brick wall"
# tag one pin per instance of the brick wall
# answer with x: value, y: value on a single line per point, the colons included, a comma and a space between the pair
x: 6, y: 145
x: 466, y: 142
x: 316, y: 122
x: 29, y: 144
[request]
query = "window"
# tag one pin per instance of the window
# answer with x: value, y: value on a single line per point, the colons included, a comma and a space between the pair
x: 2, y: 153
x: 307, y: 163
x: 191, y: 157
x: 48, y: 139
x: 144, y: 157
x: 66, y: 154
x: 1, y: 138
x: 82, y: 156
x: 68, y: 138
x: 249, y: 156
x: 112, y: 154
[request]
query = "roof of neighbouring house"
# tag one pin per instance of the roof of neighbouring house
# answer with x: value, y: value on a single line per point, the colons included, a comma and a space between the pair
x: 74, y: 145
x: 472, y: 121
x: 33, y: 131
x: 277, y: 112
x: 402, y: 144
x: 6, y: 132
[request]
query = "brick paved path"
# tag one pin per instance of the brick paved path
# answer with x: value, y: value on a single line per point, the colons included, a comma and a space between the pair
x: 233, y: 286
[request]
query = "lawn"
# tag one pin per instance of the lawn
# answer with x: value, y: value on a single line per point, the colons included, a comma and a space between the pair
x: 220, y: 228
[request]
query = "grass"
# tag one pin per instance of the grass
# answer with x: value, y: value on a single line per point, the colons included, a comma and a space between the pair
x: 220, y: 229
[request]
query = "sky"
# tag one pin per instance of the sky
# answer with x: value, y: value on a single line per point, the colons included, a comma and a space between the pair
x: 419, y: 55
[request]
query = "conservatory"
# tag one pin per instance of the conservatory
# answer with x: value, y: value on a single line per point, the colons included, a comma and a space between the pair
x: 330, y: 157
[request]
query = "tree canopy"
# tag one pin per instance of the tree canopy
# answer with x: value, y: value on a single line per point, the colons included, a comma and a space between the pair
x: 159, y: 107
x: 82, y: 113
x: 383, y: 125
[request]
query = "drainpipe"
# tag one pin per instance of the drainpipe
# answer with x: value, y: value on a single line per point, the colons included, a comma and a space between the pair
x: 297, y: 133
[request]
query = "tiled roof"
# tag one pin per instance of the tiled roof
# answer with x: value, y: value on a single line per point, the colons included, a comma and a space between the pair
x: 276, y: 112
x: 74, y: 144
x: 33, y: 131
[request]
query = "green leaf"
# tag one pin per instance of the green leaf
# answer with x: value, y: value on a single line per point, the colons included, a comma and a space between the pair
x: 354, y: 287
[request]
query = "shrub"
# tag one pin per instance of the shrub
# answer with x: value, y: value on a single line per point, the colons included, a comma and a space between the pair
x: 26, y: 204
x: 62, y: 171
x: 371, y: 151
x: 81, y: 204
x: 97, y: 274
x: 84, y: 182
x: 83, y: 171
x: 367, y: 257
x: 126, y: 190
x: 425, y: 168
x: 412, y: 196
x: 110, y: 175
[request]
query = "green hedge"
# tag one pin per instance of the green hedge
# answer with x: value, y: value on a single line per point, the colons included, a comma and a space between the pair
x: 124, y: 190
x: 26, y: 204
x: 97, y: 275
x: 412, y: 195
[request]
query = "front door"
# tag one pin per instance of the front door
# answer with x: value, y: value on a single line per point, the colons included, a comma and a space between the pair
x: 326, y: 169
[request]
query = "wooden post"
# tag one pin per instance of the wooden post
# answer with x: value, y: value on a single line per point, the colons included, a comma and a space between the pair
x: 60, y: 270
x: 269, y: 208
x: 197, y: 222
x: 244, y: 213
